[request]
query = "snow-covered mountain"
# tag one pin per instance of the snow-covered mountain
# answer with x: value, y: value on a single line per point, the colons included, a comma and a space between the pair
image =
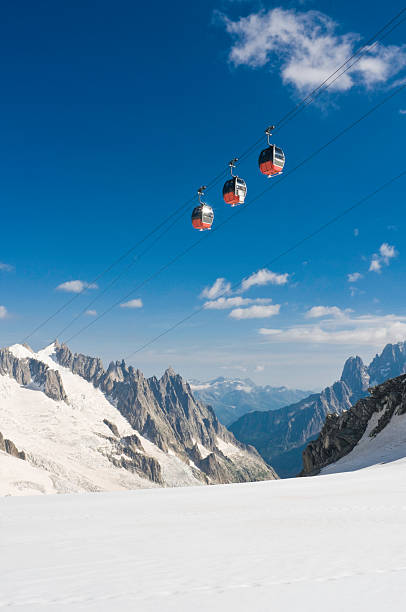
x: 372, y: 432
x: 281, y: 436
x: 68, y: 425
x: 230, y: 398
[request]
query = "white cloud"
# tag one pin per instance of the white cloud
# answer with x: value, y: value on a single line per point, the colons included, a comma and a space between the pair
x: 367, y: 330
x: 255, y: 312
x: 325, y: 311
x: 354, y: 277
x: 264, y: 277
x: 356, y: 232
x: 386, y: 253
x: 259, y: 368
x: 76, y: 286
x: 132, y: 304
x: 225, y: 303
x: 3, y: 312
x: 308, y: 49
x: 402, y: 111
x: 91, y: 313
x: 375, y: 265
x: 6, y: 267
x: 219, y: 287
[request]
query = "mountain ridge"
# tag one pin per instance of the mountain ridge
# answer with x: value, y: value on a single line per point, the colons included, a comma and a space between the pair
x: 231, y: 398
x: 82, y: 427
x: 282, y: 435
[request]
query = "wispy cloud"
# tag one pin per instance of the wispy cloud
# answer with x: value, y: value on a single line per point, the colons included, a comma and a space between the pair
x: 76, y: 286
x: 91, y: 313
x: 317, y: 312
x: 307, y: 48
x: 378, y: 260
x: 6, y: 267
x: 3, y: 312
x: 264, y: 277
x: 232, y: 302
x: 255, y: 312
x: 354, y: 277
x: 368, y: 330
x: 219, y: 287
x: 137, y: 303
x: 402, y: 111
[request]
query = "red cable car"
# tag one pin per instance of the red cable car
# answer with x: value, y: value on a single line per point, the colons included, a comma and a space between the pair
x: 272, y: 159
x: 235, y: 189
x: 202, y: 215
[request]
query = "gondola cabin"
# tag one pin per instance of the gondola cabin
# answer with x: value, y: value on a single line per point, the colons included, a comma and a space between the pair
x: 202, y: 217
x: 271, y: 160
x: 234, y: 191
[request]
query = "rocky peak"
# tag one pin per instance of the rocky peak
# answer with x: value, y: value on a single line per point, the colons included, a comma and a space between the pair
x: 165, y: 412
x: 341, y: 433
x: 389, y: 364
x: 356, y: 377
x: 28, y: 370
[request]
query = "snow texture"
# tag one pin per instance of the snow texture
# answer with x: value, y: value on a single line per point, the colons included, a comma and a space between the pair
x: 333, y: 543
x: 67, y: 444
x: 388, y: 445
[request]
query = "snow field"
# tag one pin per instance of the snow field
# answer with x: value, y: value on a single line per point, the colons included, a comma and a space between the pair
x: 324, y: 543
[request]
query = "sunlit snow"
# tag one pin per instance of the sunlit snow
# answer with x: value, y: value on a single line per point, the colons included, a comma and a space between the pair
x: 325, y: 543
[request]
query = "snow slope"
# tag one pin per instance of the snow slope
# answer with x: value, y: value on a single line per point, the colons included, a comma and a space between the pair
x: 388, y: 445
x: 68, y: 442
x: 314, y: 544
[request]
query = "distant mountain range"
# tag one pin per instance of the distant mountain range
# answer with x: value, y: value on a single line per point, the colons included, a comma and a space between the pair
x: 281, y: 435
x: 69, y: 425
x: 231, y: 398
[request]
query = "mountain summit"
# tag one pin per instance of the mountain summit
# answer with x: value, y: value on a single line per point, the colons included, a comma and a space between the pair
x: 68, y: 425
x: 231, y: 398
x: 281, y: 435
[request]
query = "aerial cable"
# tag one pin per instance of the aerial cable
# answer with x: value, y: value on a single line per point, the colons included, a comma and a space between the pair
x: 297, y: 244
x: 117, y: 278
x: 361, y: 51
x: 282, y: 122
x: 239, y: 210
x: 121, y: 258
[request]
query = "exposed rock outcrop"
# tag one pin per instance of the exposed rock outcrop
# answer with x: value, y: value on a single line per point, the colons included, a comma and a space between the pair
x: 9, y: 447
x: 28, y: 370
x: 281, y: 435
x: 165, y: 412
x: 341, y: 433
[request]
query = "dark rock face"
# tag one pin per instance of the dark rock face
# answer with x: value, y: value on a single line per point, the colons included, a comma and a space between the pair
x: 341, y: 433
x: 165, y: 412
x: 9, y: 447
x: 25, y: 371
x: 280, y: 436
x: 112, y: 427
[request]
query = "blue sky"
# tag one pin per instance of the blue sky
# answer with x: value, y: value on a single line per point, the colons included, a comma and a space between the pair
x: 112, y: 117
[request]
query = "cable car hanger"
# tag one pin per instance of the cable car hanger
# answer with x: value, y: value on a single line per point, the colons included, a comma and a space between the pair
x: 235, y: 189
x: 202, y: 215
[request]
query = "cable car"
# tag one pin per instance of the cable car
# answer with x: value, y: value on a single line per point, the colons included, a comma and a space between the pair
x: 202, y: 215
x: 235, y: 189
x: 272, y: 159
